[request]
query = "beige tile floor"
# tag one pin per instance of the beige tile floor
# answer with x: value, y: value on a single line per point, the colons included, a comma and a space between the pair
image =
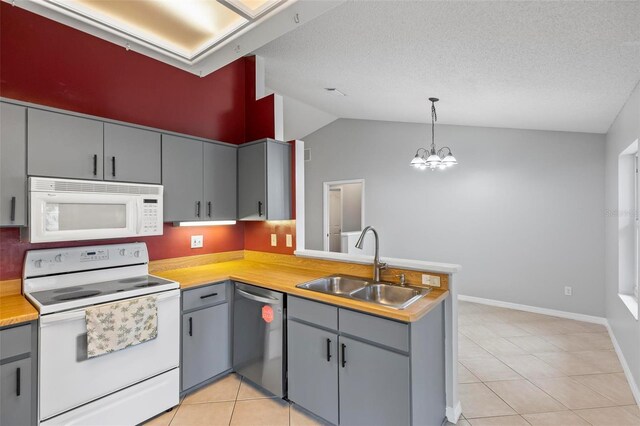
x: 233, y: 401
x: 515, y: 368
x: 520, y: 368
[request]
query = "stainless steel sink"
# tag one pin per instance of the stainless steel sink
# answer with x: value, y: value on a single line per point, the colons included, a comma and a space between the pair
x: 335, y: 284
x: 393, y: 296
x: 390, y: 295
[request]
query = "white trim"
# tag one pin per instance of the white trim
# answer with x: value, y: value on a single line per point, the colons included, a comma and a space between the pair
x: 631, y: 303
x: 326, y: 232
x: 453, y: 413
x: 535, y: 309
x: 299, y: 177
x: 635, y: 390
x: 414, y: 265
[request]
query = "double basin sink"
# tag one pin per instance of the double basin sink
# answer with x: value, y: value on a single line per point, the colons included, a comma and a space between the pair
x: 386, y: 294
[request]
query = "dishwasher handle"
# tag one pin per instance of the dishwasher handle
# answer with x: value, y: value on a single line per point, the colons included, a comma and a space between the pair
x: 263, y: 299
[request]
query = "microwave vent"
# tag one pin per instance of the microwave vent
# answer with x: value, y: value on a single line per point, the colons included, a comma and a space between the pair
x: 92, y: 187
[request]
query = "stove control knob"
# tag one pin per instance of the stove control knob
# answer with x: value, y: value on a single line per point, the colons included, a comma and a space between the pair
x: 136, y: 253
x: 37, y: 263
x: 123, y: 252
x: 58, y: 258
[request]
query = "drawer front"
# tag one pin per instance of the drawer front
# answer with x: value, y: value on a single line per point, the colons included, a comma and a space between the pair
x: 204, y: 296
x: 15, y: 341
x: 375, y: 329
x: 313, y: 312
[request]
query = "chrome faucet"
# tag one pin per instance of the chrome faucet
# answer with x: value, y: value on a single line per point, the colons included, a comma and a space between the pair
x: 377, y: 265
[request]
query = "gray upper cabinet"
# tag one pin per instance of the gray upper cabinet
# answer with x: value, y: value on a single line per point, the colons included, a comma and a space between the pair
x: 13, y: 165
x: 131, y: 154
x: 373, y: 395
x: 220, y: 185
x: 313, y: 369
x: 65, y: 146
x: 264, y: 180
x: 182, y: 171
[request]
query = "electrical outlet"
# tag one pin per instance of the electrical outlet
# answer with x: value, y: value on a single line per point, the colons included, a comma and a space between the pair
x: 568, y: 291
x: 197, y: 241
x: 431, y: 280
x: 289, y: 240
x: 274, y: 240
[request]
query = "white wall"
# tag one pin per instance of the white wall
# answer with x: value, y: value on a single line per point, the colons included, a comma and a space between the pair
x: 522, y: 212
x: 626, y: 329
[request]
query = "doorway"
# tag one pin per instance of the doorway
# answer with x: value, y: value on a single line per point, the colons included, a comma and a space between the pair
x: 343, y: 204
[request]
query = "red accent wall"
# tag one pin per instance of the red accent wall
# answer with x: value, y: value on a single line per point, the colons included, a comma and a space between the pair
x: 176, y: 242
x: 47, y: 63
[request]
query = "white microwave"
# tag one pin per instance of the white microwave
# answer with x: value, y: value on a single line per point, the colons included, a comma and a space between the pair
x: 70, y: 210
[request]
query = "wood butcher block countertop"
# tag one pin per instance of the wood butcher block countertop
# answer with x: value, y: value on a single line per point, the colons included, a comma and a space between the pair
x: 284, y: 278
x: 16, y: 309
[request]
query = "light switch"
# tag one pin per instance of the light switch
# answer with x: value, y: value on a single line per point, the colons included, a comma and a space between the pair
x: 274, y: 240
x: 289, y: 240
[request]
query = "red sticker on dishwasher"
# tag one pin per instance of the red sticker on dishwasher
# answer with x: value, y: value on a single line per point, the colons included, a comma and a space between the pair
x: 267, y: 313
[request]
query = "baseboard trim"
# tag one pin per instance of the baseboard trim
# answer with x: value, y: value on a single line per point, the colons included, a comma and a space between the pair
x: 534, y: 309
x: 625, y: 367
x: 454, y: 413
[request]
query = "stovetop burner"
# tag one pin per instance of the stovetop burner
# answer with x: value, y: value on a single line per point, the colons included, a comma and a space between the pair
x: 77, y: 295
x: 149, y: 284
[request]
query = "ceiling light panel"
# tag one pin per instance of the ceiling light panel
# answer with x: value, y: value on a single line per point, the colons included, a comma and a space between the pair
x: 252, y: 8
x: 184, y: 27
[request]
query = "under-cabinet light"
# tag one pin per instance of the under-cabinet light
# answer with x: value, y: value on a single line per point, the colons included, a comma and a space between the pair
x: 206, y: 223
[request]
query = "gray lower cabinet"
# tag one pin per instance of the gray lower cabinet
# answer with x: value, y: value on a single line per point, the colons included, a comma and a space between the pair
x: 131, y: 154
x: 313, y: 369
x: 199, y: 180
x: 13, y: 165
x: 206, y: 349
x: 182, y: 179
x: 352, y: 368
x: 18, y: 375
x: 66, y: 146
x: 264, y: 180
x: 374, y: 385
x: 220, y: 188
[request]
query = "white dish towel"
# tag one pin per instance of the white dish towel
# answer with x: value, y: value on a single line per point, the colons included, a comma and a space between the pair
x: 116, y: 326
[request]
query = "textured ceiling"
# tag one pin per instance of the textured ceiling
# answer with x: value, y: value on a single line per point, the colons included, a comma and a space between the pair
x: 534, y: 65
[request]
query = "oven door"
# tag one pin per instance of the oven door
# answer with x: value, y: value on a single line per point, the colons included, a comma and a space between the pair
x: 69, y: 379
x: 78, y: 216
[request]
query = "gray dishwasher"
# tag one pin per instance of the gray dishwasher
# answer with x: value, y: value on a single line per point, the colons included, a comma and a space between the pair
x: 259, y: 337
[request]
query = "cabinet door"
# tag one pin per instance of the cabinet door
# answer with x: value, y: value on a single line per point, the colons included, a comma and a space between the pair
x: 65, y: 146
x: 220, y: 182
x: 182, y: 179
x: 278, y: 181
x: 131, y: 155
x: 374, y: 385
x: 252, y: 185
x: 13, y: 165
x: 205, y: 344
x: 313, y: 369
x: 15, y: 393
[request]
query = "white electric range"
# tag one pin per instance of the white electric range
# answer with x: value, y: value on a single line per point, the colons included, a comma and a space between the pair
x: 124, y: 387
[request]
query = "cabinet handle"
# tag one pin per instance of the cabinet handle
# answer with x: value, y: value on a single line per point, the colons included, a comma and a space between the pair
x: 18, y: 381
x: 95, y: 164
x: 328, y: 350
x: 209, y: 208
x: 13, y: 209
x: 190, y: 326
x: 113, y: 166
x: 197, y: 208
x: 259, y: 208
x: 208, y: 295
x: 344, y: 351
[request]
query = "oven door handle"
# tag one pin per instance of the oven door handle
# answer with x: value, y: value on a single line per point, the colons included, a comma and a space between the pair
x: 80, y: 313
x: 256, y: 298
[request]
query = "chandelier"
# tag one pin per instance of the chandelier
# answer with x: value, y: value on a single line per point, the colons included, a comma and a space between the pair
x: 431, y: 158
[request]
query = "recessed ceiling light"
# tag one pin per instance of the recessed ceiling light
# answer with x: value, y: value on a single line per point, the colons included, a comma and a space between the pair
x: 334, y: 91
